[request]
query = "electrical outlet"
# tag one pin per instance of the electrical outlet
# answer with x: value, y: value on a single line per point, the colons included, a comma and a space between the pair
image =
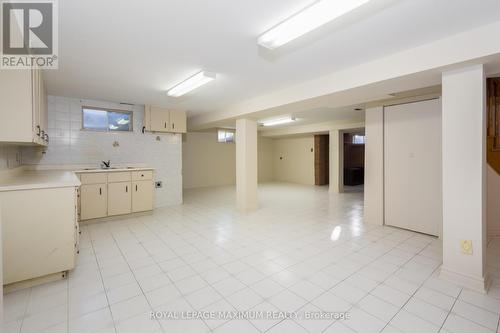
x: 466, y: 246
x: 158, y: 184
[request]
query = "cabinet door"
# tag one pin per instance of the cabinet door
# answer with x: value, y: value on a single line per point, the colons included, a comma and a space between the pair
x: 93, y: 201
x: 160, y: 119
x: 178, y: 121
x: 142, y: 196
x: 16, y: 106
x: 119, y: 198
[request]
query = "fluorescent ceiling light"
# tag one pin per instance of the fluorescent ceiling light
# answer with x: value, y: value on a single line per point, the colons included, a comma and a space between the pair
x: 274, y: 122
x: 191, y: 84
x: 308, y: 19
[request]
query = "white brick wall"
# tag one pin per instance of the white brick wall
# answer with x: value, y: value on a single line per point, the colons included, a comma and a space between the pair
x: 69, y: 145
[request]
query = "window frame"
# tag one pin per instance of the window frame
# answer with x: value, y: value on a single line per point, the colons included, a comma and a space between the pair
x: 108, y: 130
x: 226, y: 131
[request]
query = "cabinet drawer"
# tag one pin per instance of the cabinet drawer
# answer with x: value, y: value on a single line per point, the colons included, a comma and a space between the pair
x: 93, y: 178
x: 114, y: 177
x: 142, y: 175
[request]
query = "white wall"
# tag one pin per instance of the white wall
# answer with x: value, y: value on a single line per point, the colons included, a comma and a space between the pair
x: 297, y: 163
x: 493, y: 203
x: 207, y: 162
x: 265, y: 159
x: 10, y: 157
x: 69, y: 145
x: 374, y: 166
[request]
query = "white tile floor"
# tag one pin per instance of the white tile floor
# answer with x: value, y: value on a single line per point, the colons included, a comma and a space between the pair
x: 303, y: 250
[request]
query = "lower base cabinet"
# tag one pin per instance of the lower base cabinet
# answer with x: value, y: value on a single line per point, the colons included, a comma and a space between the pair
x: 40, y: 232
x: 119, y: 198
x: 93, y: 201
x: 114, y: 193
x: 142, y: 196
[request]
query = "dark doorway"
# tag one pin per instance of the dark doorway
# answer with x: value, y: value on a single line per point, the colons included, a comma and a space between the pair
x: 321, y: 159
x: 354, y: 158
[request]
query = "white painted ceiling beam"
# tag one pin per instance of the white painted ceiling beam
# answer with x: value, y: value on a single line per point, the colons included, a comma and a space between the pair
x: 419, y: 66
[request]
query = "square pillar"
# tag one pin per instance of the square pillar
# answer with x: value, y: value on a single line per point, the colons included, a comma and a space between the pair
x: 464, y: 181
x: 374, y: 166
x: 246, y: 165
x: 336, y: 161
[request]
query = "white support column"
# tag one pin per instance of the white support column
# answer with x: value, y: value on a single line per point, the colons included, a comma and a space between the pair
x: 336, y: 162
x: 374, y: 166
x: 246, y: 165
x: 464, y: 182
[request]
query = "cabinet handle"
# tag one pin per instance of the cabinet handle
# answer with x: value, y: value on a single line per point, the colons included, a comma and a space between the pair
x: 100, y: 191
x: 38, y: 130
x: 136, y: 188
x: 126, y: 188
x: 143, y: 129
x: 165, y: 125
x: 173, y: 125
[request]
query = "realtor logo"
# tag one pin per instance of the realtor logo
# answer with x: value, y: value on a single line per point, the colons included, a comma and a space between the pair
x: 29, y: 34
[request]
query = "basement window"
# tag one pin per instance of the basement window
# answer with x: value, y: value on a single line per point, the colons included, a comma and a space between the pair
x: 106, y: 120
x: 224, y: 136
x: 358, y: 139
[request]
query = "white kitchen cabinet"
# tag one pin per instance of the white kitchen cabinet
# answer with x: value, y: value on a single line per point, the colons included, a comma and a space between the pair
x: 93, y: 201
x: 40, y: 232
x: 142, y: 196
x: 115, y: 192
x: 163, y: 120
x: 178, y: 121
x: 160, y: 119
x: 23, y: 107
x: 119, y: 198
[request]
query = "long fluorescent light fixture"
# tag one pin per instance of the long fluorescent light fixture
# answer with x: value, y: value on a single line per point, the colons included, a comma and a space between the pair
x: 308, y: 19
x: 191, y: 84
x: 281, y: 121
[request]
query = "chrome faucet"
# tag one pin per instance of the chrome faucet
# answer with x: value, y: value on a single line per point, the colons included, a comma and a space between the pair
x: 106, y: 165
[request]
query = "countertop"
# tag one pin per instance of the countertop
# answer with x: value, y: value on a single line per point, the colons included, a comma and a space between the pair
x: 117, y: 169
x: 28, y: 179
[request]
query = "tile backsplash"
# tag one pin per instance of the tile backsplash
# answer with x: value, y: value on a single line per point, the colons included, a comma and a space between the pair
x: 70, y: 145
x: 10, y: 157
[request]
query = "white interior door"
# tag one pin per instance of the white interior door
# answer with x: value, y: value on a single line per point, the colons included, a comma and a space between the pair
x: 412, y: 166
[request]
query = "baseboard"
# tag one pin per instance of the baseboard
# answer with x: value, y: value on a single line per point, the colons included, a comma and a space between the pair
x: 479, y: 284
x: 116, y: 217
x: 34, y: 282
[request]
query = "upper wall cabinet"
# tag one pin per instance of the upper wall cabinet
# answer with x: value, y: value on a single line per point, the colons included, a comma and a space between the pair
x: 163, y: 120
x: 23, y: 107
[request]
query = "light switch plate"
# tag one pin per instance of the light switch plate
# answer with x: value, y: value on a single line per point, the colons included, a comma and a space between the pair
x: 466, y: 246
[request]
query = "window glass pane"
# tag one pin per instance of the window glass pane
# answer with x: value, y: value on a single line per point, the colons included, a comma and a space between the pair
x: 119, y: 121
x: 229, y: 136
x: 95, y: 119
x: 221, y: 136
x: 358, y: 139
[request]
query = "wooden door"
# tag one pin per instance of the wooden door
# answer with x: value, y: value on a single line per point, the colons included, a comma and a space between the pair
x: 93, y: 201
x: 142, y: 196
x: 493, y: 136
x: 119, y: 198
x: 321, y: 159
